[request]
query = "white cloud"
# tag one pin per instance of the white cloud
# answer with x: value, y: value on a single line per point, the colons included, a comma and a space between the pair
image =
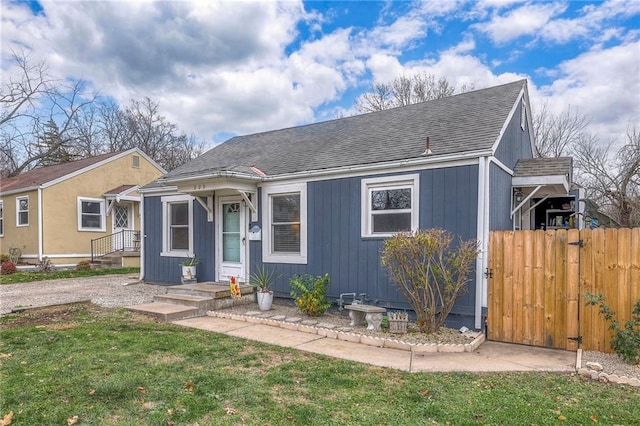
x: 524, y: 20
x: 604, y: 85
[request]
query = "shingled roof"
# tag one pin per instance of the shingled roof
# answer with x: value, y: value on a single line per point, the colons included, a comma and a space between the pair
x: 43, y: 175
x: 559, y: 166
x: 466, y: 122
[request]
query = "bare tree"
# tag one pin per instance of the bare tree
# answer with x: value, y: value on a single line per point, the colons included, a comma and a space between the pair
x: 406, y: 90
x: 31, y: 101
x: 612, y: 181
x: 45, y: 121
x: 555, y: 134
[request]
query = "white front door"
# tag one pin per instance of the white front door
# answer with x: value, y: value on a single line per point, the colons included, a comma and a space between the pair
x: 231, y: 231
x: 122, y: 220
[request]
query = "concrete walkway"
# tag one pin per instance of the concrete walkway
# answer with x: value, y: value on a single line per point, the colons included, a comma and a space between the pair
x: 489, y: 357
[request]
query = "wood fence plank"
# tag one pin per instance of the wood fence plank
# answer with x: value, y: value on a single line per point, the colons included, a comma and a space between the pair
x: 560, y: 295
x: 635, y: 266
x: 610, y: 275
x: 572, y: 288
x: 495, y: 284
x: 538, y: 284
x: 588, y: 314
x: 507, y: 288
x: 528, y: 302
x: 623, y: 293
x: 518, y: 288
x: 549, y: 287
x: 599, y: 266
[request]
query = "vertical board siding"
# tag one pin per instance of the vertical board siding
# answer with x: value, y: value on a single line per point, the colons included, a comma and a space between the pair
x: 537, y: 293
x: 500, y: 199
x: 168, y: 270
x: 515, y: 143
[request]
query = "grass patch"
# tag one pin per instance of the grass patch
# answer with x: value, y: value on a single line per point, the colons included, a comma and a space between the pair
x: 113, y: 367
x: 30, y: 276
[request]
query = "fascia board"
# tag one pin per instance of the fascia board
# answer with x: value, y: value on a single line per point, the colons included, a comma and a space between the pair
x: 18, y: 190
x: 514, y: 108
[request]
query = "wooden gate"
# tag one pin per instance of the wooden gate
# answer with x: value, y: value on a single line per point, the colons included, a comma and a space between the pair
x: 539, y: 278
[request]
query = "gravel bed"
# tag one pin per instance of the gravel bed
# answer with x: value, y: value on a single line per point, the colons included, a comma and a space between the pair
x: 611, y: 363
x: 109, y: 291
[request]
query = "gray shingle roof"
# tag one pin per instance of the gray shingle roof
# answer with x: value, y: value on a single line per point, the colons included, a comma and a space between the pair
x: 559, y: 166
x: 466, y: 122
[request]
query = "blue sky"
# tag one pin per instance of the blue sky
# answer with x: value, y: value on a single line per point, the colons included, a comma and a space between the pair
x: 224, y: 68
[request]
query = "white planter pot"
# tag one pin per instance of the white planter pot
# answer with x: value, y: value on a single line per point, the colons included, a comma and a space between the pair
x: 264, y: 300
x: 189, y: 272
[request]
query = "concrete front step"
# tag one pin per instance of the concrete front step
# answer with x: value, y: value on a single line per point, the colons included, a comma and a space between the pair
x: 166, y: 312
x: 208, y: 289
x: 192, y: 300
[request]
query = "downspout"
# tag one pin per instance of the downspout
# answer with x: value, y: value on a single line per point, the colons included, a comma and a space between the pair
x: 40, y: 222
x: 142, y: 238
x: 486, y: 230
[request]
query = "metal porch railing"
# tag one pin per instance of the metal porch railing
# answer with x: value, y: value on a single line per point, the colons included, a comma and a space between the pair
x: 125, y: 240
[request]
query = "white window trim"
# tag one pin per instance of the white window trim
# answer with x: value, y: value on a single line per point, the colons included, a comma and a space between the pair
x: 267, y: 193
x: 103, y: 216
x: 26, y: 197
x: 2, y: 218
x: 411, y: 181
x: 166, y: 202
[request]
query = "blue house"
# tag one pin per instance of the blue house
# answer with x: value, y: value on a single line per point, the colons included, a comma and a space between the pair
x: 307, y: 199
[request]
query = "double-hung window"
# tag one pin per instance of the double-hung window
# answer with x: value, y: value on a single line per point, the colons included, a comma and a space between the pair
x: 177, y: 229
x: 389, y: 205
x: 22, y: 211
x: 91, y: 214
x: 285, y: 224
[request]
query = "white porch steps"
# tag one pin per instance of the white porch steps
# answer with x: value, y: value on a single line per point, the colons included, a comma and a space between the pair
x: 193, y: 300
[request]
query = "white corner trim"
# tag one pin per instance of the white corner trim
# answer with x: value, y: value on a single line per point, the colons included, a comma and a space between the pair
x: 506, y: 123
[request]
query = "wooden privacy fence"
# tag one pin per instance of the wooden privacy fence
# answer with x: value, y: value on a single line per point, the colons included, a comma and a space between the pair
x: 538, y: 279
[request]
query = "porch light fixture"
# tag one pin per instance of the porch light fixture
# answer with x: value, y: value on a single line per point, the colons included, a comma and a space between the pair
x: 517, y: 193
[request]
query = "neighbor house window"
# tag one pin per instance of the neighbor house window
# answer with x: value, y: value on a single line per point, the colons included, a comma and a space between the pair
x: 1, y: 218
x: 91, y: 214
x: 389, y: 205
x: 136, y: 161
x: 177, y: 219
x: 285, y: 224
x: 22, y: 211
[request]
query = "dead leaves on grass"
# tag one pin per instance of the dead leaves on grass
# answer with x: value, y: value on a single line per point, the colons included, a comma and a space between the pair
x: 7, y: 419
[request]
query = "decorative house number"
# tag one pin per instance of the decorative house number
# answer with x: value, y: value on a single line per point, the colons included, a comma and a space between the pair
x: 198, y: 187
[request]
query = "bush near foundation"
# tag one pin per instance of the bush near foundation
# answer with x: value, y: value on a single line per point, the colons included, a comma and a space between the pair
x: 8, y: 268
x: 429, y: 272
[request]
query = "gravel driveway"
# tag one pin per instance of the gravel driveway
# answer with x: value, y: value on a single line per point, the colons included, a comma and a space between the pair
x: 106, y: 290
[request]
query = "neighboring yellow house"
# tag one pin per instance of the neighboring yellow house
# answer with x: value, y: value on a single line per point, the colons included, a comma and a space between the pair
x: 57, y: 211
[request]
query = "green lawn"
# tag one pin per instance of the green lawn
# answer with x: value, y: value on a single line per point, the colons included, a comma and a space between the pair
x: 29, y: 276
x: 112, y: 367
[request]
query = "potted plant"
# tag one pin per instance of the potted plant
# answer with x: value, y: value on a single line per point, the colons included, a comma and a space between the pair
x: 262, y: 279
x: 189, y: 268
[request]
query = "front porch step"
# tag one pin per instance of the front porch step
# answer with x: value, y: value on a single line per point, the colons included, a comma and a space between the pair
x: 193, y: 300
x: 208, y: 289
x: 166, y: 312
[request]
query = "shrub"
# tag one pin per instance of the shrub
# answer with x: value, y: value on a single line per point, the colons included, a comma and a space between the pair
x: 4, y: 257
x: 626, y: 339
x: 83, y: 265
x: 8, y: 268
x: 45, y: 265
x: 310, y: 293
x: 428, y: 272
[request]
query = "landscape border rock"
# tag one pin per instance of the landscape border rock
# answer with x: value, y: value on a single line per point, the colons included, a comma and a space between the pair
x: 325, y: 330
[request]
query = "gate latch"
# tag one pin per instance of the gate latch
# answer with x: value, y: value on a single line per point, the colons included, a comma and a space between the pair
x: 488, y: 273
x: 576, y: 339
x: 579, y: 243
